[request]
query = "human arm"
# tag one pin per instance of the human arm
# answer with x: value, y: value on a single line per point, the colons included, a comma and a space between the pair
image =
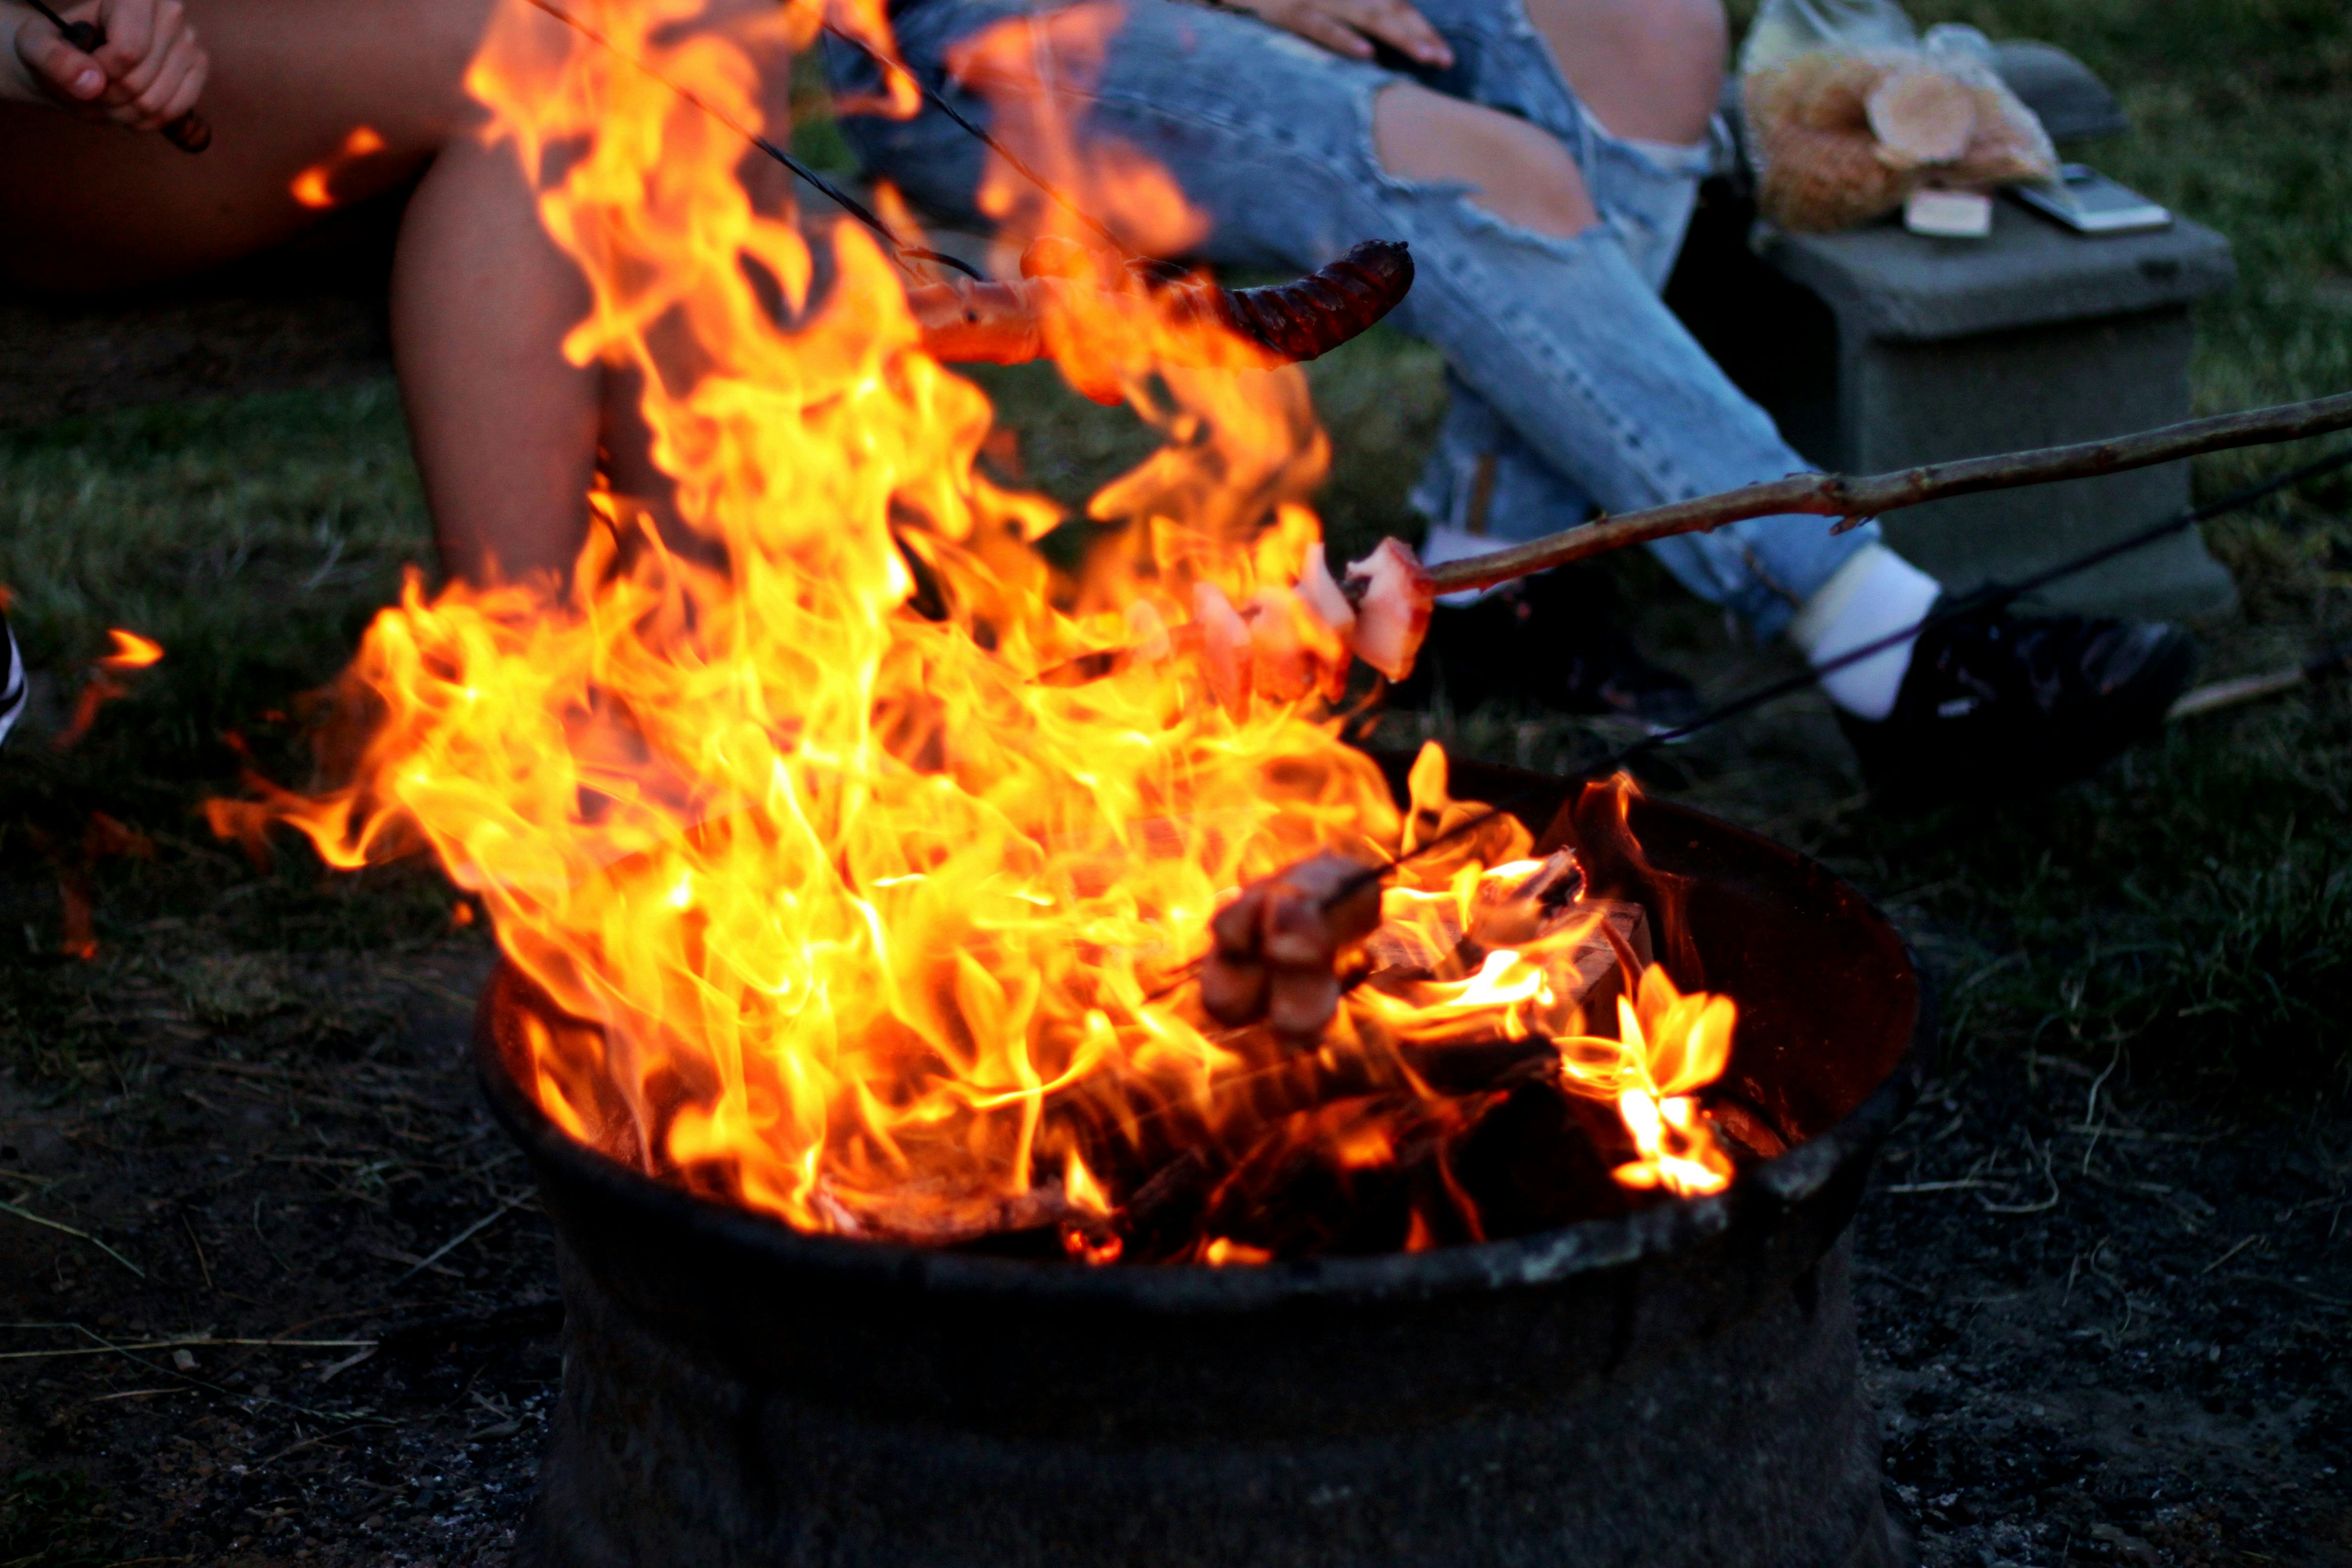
x: 148, y: 73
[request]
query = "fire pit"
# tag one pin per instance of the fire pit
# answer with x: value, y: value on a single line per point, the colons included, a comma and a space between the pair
x: 1676, y: 1385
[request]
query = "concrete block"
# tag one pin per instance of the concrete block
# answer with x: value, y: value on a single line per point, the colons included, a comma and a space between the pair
x: 1880, y: 349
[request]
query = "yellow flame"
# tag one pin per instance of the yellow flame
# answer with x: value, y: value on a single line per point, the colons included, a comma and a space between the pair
x: 131, y: 651
x: 868, y: 926
x: 1667, y: 1044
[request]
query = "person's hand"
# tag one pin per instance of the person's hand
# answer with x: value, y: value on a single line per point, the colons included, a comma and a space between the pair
x: 150, y: 70
x: 1351, y: 28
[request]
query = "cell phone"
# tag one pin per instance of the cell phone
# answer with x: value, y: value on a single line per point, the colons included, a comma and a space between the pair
x: 2089, y: 202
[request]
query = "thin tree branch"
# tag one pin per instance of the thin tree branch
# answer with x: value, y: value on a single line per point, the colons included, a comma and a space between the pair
x: 1854, y: 499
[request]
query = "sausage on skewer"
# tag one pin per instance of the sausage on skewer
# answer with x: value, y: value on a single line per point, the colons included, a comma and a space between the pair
x: 1279, y: 942
x: 1003, y: 322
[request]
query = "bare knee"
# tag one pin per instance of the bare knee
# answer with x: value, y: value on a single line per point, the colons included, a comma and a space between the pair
x: 1652, y: 69
x: 1519, y: 173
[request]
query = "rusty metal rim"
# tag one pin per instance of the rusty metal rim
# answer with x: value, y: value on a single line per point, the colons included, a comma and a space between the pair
x: 1758, y: 1197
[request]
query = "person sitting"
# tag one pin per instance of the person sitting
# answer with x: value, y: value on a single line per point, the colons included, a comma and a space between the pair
x: 1544, y: 211
x: 1542, y: 159
x: 506, y: 431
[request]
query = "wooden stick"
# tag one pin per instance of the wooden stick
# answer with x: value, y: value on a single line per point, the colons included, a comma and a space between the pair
x: 1855, y: 499
x: 2247, y: 689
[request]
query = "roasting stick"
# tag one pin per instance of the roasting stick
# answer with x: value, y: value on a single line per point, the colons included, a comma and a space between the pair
x: 1003, y: 322
x: 1855, y: 499
x: 189, y: 134
x: 940, y: 103
x: 897, y: 250
x: 1991, y: 595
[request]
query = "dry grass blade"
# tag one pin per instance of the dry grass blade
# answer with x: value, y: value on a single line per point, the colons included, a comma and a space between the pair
x: 438, y: 1253
x: 85, y: 1235
x: 108, y: 1349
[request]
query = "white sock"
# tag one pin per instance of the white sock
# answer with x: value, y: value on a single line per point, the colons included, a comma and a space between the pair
x: 1874, y: 594
x: 1445, y: 542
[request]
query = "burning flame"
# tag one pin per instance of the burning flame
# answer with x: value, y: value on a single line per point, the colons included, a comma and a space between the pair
x: 1667, y: 1044
x: 313, y: 187
x: 131, y: 651
x: 868, y: 924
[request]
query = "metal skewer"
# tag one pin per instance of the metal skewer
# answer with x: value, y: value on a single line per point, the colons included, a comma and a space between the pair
x: 897, y: 249
x: 1992, y: 595
x: 190, y: 133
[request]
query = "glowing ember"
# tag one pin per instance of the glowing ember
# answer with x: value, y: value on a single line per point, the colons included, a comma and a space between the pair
x: 877, y: 916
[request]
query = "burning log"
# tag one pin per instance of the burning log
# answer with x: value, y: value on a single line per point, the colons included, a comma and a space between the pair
x: 1007, y: 322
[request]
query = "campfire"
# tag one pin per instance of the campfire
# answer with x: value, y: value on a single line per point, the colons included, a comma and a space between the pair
x: 870, y: 856
x: 1672, y: 1384
x: 1011, y: 1083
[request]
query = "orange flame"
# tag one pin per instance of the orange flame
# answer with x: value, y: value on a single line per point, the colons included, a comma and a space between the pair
x: 866, y: 924
x: 1667, y: 1044
x: 131, y: 651
x: 103, y: 838
x: 313, y: 187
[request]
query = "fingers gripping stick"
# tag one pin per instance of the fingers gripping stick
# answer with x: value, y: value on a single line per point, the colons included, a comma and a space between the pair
x: 190, y: 133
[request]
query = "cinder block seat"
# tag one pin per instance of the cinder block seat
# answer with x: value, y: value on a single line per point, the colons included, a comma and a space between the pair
x: 1881, y: 349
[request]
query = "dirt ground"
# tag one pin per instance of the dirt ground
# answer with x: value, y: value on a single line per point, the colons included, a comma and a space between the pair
x: 310, y: 1315
x: 2104, y: 1272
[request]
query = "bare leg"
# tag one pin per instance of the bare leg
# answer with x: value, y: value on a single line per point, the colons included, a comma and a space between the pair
x: 505, y: 430
x: 92, y: 207
x: 1518, y: 172
x: 1650, y: 69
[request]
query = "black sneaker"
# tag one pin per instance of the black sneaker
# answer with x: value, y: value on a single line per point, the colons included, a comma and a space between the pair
x: 1549, y: 641
x: 2003, y: 702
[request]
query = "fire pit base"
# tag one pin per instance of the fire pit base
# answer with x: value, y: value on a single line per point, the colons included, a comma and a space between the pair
x: 1753, y: 1446
x: 1675, y: 1385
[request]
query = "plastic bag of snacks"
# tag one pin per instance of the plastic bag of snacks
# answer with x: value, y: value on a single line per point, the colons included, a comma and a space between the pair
x: 1849, y: 111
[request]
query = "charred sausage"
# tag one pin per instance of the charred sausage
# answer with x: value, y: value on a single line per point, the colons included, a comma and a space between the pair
x: 1001, y: 324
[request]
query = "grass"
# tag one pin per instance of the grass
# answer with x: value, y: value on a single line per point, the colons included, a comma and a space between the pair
x: 2190, y: 908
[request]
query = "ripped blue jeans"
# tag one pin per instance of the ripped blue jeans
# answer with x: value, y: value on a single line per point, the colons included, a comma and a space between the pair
x: 1573, y: 387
